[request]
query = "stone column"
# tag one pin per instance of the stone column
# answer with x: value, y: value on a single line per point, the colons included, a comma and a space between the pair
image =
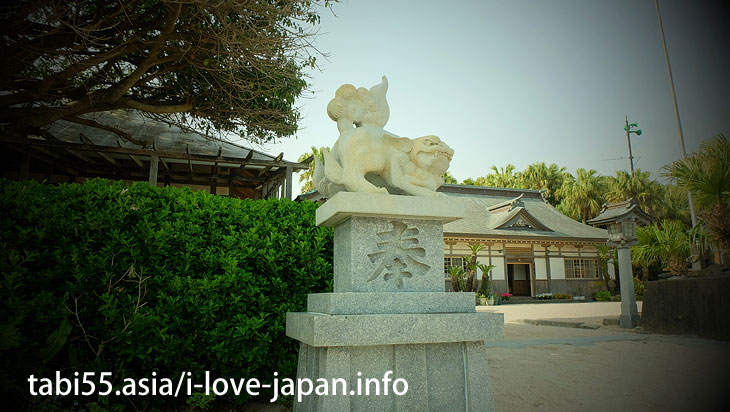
x: 389, y: 312
x: 629, y: 313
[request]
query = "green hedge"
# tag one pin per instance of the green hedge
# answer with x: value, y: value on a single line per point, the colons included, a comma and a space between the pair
x: 133, y: 279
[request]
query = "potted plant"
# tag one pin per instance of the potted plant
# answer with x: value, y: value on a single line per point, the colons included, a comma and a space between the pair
x: 490, y: 300
x: 482, y: 299
x: 505, y: 296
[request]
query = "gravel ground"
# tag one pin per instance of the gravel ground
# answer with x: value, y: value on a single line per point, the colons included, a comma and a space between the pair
x: 547, y: 368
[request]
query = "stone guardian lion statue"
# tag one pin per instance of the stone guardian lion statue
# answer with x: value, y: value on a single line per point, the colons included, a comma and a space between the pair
x: 367, y: 158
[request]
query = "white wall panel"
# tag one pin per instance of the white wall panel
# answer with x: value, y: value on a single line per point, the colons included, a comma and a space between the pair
x: 540, y: 269
x: 498, y: 271
x: 557, y: 268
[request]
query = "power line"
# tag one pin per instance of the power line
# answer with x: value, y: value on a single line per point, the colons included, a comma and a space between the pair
x: 622, y: 158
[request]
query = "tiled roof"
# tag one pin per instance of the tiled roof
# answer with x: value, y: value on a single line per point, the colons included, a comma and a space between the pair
x: 167, y: 138
x: 616, y: 212
x: 480, y: 221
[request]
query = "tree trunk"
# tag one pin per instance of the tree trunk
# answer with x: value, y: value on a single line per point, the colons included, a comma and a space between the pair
x: 606, y: 280
x: 470, y: 282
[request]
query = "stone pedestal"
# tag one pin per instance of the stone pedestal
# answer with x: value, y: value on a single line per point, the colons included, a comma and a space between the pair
x: 389, y: 312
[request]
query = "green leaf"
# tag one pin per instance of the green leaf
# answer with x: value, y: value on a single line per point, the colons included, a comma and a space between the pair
x: 55, y: 341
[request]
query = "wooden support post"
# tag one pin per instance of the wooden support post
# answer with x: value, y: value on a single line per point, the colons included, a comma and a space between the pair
x: 164, y: 163
x: 532, y: 275
x: 215, y: 172
x: 547, y: 267
x: 288, y: 182
x: 190, y: 164
x: 153, y: 170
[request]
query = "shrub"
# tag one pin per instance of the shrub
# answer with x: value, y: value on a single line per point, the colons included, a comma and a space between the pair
x: 666, y: 242
x: 562, y: 296
x: 603, y: 296
x: 134, y: 279
x: 638, y: 288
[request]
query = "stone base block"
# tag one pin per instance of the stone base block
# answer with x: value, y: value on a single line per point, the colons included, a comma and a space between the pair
x: 440, y: 377
x: 354, y: 303
x: 629, y: 321
x: 317, y: 329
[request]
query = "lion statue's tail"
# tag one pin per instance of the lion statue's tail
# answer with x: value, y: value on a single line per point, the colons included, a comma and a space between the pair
x: 328, y: 176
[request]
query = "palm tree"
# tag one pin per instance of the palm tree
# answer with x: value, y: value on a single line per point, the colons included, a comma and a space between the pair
x: 666, y: 242
x: 502, y: 177
x: 488, y: 180
x: 485, y: 288
x: 707, y: 175
x: 472, y: 266
x: 542, y: 177
x: 448, y: 178
x: 640, y: 186
x: 606, y: 253
x: 306, y: 176
x: 582, y: 194
x: 457, y: 278
x: 672, y: 204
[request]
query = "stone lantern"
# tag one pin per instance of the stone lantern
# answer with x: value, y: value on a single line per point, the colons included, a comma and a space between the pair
x: 621, y: 219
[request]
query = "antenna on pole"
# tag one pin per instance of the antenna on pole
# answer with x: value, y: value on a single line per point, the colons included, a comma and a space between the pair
x: 628, y: 130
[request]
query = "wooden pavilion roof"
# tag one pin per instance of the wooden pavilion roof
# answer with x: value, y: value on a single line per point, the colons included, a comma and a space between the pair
x: 172, y: 154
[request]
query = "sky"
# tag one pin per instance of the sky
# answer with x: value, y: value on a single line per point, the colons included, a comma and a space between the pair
x: 527, y: 81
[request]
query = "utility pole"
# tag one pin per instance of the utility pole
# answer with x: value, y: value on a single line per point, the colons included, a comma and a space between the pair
x: 628, y: 127
x: 676, y: 110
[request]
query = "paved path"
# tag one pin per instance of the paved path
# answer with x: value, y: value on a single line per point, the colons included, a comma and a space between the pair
x: 548, y: 368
